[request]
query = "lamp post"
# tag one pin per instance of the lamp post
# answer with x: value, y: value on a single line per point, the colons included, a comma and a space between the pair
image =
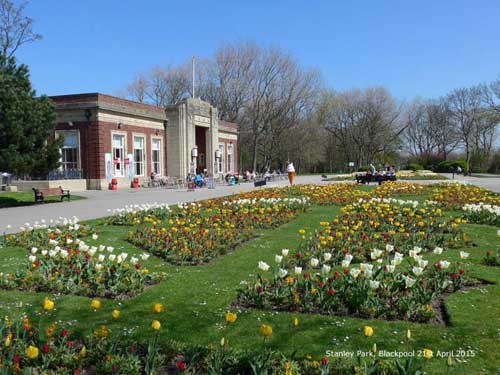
x: 217, y: 158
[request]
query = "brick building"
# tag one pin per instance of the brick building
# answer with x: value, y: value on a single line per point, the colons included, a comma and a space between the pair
x: 107, y: 137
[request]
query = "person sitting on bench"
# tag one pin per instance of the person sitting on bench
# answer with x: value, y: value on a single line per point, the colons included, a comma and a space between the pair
x: 199, y: 181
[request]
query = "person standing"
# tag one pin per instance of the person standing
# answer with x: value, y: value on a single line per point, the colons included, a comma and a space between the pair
x: 291, y: 172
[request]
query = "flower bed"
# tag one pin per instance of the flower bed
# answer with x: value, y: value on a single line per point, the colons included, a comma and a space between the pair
x: 41, y: 234
x: 81, y: 270
x: 482, y: 213
x: 390, y: 188
x: 201, y: 232
x: 404, y: 288
x: 135, y: 214
x: 330, y: 194
x: 456, y: 195
x: 373, y: 224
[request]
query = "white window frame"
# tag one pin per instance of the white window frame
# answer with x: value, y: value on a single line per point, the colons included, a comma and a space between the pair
x: 78, y: 148
x: 220, y: 162
x: 119, y: 172
x: 160, y: 153
x: 143, y: 161
x: 229, y: 158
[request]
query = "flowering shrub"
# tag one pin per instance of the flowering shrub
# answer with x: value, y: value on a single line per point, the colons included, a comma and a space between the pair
x: 330, y: 194
x: 40, y: 234
x: 403, y: 288
x: 482, y: 213
x: 373, y: 224
x: 456, y: 195
x: 81, y: 270
x: 201, y: 232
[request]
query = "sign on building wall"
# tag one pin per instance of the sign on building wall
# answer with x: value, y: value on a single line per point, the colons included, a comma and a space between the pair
x: 108, y: 166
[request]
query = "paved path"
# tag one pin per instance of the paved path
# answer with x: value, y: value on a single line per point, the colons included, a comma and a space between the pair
x: 99, y: 202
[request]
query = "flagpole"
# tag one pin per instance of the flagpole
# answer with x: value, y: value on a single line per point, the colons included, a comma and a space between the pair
x: 193, y: 76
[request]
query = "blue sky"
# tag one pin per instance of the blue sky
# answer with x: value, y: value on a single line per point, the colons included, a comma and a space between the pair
x: 413, y: 47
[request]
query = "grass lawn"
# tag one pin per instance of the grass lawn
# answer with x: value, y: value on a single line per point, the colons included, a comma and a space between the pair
x: 11, y: 199
x: 196, y: 299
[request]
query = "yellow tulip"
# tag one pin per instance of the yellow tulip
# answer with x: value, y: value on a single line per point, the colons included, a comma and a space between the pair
x: 48, y: 304
x: 368, y: 331
x: 158, y: 308
x: 115, y: 314
x: 95, y: 304
x: 408, y: 334
x: 428, y: 354
x: 266, y: 330
x: 295, y: 322
x: 31, y: 352
x: 156, y: 325
x: 231, y: 317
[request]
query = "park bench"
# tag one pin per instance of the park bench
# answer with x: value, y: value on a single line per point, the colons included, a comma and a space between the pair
x: 366, y: 178
x: 40, y: 194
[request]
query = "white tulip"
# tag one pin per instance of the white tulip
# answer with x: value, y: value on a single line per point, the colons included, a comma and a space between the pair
x: 124, y: 255
x: 134, y: 261
x: 282, y: 273
x: 348, y: 257
x: 69, y: 241
x: 102, y: 247
x: 284, y: 252
x: 52, y: 253
x: 389, y: 248
x: 423, y: 263
x: 112, y: 257
x: 63, y: 253
x: 444, y: 264
x: 144, y: 256
x: 278, y: 258
x: 390, y: 268
x: 314, y: 262
x: 32, y: 258
x: 464, y: 255
x: 99, y: 266
x: 409, y: 282
x: 355, y: 272
x: 44, y: 252
x: 95, y: 236
x: 438, y: 250
x: 263, y: 266
x: 101, y: 258
x: 375, y: 253
x: 327, y: 256
x: 446, y: 284
x: 326, y: 268
x: 374, y: 284
x: 298, y: 270
x: 34, y: 250
x: 345, y: 263
x: 417, y: 270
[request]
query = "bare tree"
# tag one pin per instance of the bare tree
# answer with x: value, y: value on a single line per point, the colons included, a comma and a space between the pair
x: 466, y: 109
x: 16, y: 29
x: 137, y: 89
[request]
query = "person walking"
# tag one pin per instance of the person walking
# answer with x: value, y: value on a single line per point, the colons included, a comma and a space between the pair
x: 291, y: 172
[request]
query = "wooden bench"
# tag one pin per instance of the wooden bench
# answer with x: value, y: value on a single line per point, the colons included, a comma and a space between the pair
x: 40, y: 194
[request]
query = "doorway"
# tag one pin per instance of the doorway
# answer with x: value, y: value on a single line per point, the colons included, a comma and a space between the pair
x: 201, y: 142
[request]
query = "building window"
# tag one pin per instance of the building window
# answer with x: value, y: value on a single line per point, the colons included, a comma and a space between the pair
x: 230, y: 158
x: 69, y: 151
x: 118, y: 155
x: 220, y: 166
x: 156, y: 155
x: 139, y: 155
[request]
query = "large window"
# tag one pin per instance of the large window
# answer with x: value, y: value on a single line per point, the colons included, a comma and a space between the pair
x: 69, y: 151
x: 230, y: 158
x: 220, y: 163
x: 156, y: 155
x: 139, y: 155
x: 118, y: 155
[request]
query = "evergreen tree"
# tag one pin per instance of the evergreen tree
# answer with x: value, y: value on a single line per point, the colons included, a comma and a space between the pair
x: 27, y: 124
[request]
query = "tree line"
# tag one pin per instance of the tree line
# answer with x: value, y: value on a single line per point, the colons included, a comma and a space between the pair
x: 286, y: 112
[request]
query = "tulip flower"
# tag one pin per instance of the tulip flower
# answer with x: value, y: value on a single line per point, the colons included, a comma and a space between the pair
x: 266, y: 330
x: 368, y: 331
x: 156, y: 325
x: 95, y: 304
x: 230, y: 317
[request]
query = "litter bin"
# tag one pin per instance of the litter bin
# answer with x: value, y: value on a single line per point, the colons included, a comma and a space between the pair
x: 114, y: 184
